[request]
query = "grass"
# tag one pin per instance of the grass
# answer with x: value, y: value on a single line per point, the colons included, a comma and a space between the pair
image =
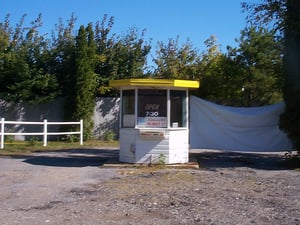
x: 27, y: 147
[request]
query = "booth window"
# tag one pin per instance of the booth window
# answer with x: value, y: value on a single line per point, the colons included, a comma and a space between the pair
x: 128, y: 104
x: 178, y: 109
x: 152, y: 108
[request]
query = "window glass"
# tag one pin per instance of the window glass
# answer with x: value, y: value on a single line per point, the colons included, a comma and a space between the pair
x: 152, y: 108
x: 128, y: 104
x: 178, y: 108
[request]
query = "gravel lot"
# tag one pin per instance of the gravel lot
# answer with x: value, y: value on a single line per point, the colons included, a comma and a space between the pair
x: 81, y: 187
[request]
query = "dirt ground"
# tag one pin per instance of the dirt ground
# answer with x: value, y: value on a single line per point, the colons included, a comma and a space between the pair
x: 88, y: 186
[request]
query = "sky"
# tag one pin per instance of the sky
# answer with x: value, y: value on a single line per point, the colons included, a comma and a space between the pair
x: 195, y: 20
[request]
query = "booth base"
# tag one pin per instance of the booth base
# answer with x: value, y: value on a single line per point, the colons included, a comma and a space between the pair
x: 154, y: 146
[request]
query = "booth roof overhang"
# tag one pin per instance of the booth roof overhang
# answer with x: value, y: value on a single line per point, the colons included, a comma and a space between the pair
x: 159, y: 83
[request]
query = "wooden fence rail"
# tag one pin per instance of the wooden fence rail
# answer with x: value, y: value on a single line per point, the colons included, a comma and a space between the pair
x: 45, y: 134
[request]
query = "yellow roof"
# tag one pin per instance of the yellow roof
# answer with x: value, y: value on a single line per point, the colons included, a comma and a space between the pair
x: 136, y: 82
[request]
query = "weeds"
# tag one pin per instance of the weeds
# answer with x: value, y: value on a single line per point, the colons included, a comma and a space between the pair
x: 71, y: 138
x: 109, y: 136
x: 33, y: 140
x: 161, y: 159
x: 23, y: 147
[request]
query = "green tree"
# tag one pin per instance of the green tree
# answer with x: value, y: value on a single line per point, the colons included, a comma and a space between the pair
x: 118, y: 57
x: 105, y: 42
x: 63, y: 62
x: 128, y: 55
x: 285, y: 16
x: 24, y: 69
x: 259, y: 55
x: 218, y: 74
x: 290, y: 119
x: 176, y: 62
x: 267, y: 14
x: 86, y: 79
x: 210, y: 72
x: 63, y: 55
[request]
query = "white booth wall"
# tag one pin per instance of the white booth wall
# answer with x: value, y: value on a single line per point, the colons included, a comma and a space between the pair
x: 153, y: 126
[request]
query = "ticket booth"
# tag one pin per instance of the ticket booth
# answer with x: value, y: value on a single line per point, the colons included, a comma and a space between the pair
x: 154, y: 119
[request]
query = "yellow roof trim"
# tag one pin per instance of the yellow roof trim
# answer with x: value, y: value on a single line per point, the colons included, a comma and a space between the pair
x: 154, y: 83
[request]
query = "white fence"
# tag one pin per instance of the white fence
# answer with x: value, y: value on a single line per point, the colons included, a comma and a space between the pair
x: 45, y: 134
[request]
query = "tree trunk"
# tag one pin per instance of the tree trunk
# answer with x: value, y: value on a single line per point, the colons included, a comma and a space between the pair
x: 290, y: 119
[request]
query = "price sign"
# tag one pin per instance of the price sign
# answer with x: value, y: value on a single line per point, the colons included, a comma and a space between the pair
x: 156, y: 121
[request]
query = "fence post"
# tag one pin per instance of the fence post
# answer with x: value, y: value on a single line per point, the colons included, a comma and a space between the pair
x: 2, y: 133
x: 45, y: 133
x: 81, y: 132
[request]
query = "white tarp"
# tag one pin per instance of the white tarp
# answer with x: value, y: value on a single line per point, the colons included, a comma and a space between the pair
x: 252, y: 129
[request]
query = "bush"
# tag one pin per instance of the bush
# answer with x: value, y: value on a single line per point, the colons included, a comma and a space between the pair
x: 9, y: 138
x: 33, y: 140
x: 109, y: 135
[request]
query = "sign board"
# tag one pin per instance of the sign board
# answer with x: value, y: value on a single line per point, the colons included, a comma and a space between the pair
x: 152, y: 122
x: 152, y: 134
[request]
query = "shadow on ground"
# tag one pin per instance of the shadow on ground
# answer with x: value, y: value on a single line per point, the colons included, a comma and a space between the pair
x: 73, y: 157
x: 224, y: 159
x: 204, y: 158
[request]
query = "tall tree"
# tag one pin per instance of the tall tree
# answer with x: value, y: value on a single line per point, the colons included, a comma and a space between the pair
x: 130, y: 54
x: 86, y: 79
x: 63, y: 62
x: 268, y: 14
x: 290, y: 119
x: 211, y: 73
x: 118, y: 56
x: 105, y: 42
x: 259, y: 55
x: 25, y: 70
x: 176, y: 62
x: 63, y: 55
x: 285, y: 15
x: 219, y: 75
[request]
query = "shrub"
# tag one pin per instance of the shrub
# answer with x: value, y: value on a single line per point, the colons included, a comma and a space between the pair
x: 109, y: 135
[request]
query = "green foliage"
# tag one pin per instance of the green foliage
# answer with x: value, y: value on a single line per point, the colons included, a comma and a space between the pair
x: 79, y: 66
x: 109, y: 136
x: 33, y: 140
x: 290, y: 119
x: 118, y: 57
x: 63, y: 62
x: 219, y: 75
x: 85, y: 79
x: 174, y: 62
x: 161, y: 159
x: 24, y: 64
x: 36, y: 69
x: 267, y: 13
x: 71, y: 138
x: 259, y: 57
x: 9, y: 138
x: 21, y: 147
x: 249, y: 75
x: 284, y: 16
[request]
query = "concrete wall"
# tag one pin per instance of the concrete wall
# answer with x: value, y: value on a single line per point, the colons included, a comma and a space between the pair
x: 106, y: 115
